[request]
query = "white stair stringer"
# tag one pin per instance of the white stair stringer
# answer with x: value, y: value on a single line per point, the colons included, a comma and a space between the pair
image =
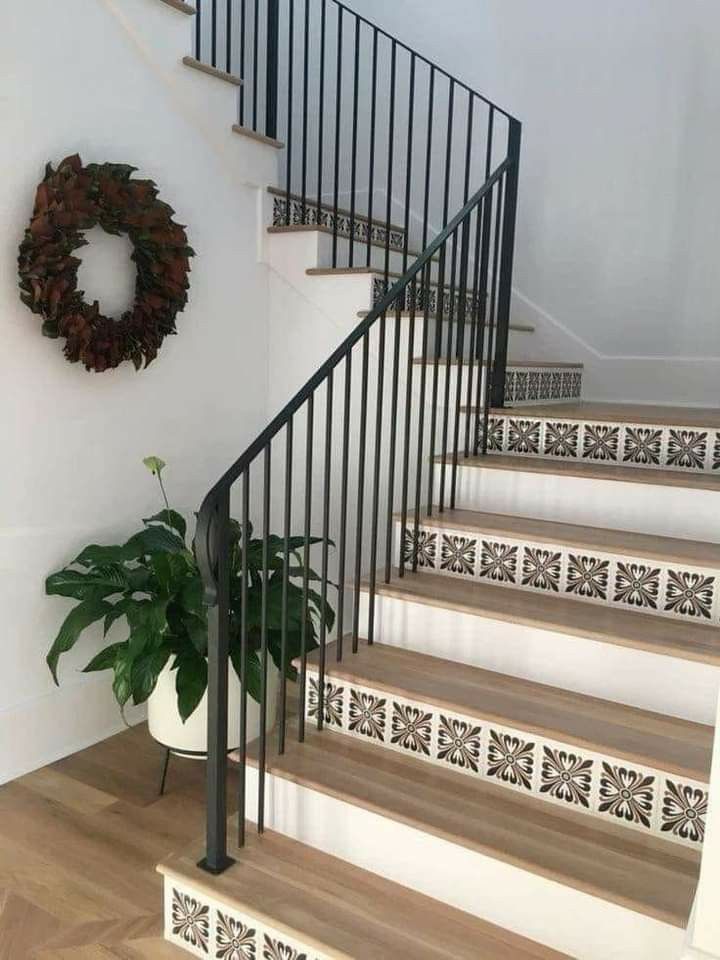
x: 668, y: 685
x: 584, y: 925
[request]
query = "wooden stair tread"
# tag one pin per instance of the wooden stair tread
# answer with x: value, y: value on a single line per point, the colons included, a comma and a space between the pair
x: 650, y: 546
x: 181, y: 6
x: 512, y: 364
x: 642, y: 873
x: 639, y: 413
x: 591, y: 471
x: 660, y: 635
x: 260, y: 137
x: 212, y: 71
x: 639, y: 736
x: 420, y: 315
x: 344, y: 911
x: 351, y: 271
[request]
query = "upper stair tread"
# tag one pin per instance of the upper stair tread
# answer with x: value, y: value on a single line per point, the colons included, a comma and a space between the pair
x: 512, y: 364
x: 640, y: 736
x: 698, y: 480
x: 669, y: 549
x: 638, y: 413
x: 311, y: 202
x: 348, y: 912
x: 661, y: 635
x: 640, y: 872
x: 419, y: 314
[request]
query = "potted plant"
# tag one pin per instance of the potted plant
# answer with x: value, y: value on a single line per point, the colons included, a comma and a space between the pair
x: 153, y: 584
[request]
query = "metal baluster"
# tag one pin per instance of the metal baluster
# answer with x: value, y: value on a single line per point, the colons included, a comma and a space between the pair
x: 285, y: 585
x: 321, y: 107
x: 360, y: 491
x: 448, y: 368
x: 243, y: 18
x: 477, y: 332
x: 338, y: 104
x: 343, y: 506
x: 262, y: 758
x: 484, y: 266
x: 373, y: 118
x: 213, y: 33
x: 289, y: 138
x: 376, y: 478
x: 490, y: 367
x: 353, y: 163
x: 327, y: 468
x: 198, y: 29
x: 306, y: 45
x: 242, y: 779
x: 256, y: 20
x: 391, y: 150
x: 421, y: 426
x: 306, y: 564
x: 228, y: 36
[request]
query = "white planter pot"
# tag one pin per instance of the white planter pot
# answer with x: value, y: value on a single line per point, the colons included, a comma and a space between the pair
x: 190, y: 738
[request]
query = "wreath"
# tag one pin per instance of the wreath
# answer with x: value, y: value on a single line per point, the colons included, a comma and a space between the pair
x: 72, y: 199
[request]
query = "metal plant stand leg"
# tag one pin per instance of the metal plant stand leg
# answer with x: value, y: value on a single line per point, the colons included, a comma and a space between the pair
x: 163, y: 778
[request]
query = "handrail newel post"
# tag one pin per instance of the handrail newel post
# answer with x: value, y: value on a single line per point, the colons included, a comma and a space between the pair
x: 212, y: 544
x: 499, y: 362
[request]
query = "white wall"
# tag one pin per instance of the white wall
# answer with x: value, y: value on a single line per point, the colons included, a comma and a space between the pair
x: 619, y: 221
x: 103, y: 78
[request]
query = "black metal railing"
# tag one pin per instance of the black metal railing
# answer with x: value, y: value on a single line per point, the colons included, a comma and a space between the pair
x: 407, y: 395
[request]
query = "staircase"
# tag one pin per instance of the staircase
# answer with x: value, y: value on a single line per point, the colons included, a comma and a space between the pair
x: 501, y: 747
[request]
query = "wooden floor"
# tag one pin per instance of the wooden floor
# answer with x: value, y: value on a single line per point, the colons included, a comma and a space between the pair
x: 79, y: 843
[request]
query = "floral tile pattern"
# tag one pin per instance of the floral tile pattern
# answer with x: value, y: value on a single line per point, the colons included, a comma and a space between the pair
x: 206, y: 927
x: 423, y: 297
x: 542, y: 384
x: 615, y: 579
x: 333, y: 703
x: 360, y: 228
x: 648, y: 447
x: 559, y: 773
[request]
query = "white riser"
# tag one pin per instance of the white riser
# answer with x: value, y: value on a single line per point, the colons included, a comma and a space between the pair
x: 561, y: 917
x: 690, y: 514
x: 680, y: 688
x: 662, y: 594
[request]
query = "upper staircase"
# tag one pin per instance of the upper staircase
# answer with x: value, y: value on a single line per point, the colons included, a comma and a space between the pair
x: 500, y: 746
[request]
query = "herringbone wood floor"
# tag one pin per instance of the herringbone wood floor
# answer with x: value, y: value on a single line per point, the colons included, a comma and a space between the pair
x: 79, y: 841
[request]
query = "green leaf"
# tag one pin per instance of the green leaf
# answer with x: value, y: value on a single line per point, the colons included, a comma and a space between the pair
x: 82, y: 586
x: 253, y: 671
x: 197, y: 630
x: 144, y: 672
x: 76, y: 621
x: 96, y: 555
x: 122, y: 687
x: 155, y: 539
x: 172, y: 519
x: 155, y: 465
x: 191, y: 680
x: 105, y: 660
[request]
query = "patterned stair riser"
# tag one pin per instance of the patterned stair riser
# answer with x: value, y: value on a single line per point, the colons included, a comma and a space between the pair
x: 551, y: 384
x: 676, y: 591
x: 309, y: 217
x: 572, y: 777
x: 417, y: 298
x: 541, y: 385
x: 684, y: 449
x: 206, y: 927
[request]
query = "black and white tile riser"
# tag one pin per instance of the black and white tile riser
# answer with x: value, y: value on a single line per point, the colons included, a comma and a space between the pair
x: 677, y: 591
x: 649, y: 447
x: 542, y: 385
x: 571, y: 777
x: 417, y: 298
x: 309, y: 217
x: 206, y: 927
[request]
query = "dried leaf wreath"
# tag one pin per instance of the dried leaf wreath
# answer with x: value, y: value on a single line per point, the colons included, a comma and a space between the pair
x: 75, y: 198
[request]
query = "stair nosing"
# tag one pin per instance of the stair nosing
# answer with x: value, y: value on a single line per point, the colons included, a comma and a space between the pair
x: 260, y: 137
x: 614, y: 636
x: 328, y: 231
x: 181, y: 6
x: 511, y: 365
x: 579, y: 536
x: 211, y: 71
x: 419, y: 314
